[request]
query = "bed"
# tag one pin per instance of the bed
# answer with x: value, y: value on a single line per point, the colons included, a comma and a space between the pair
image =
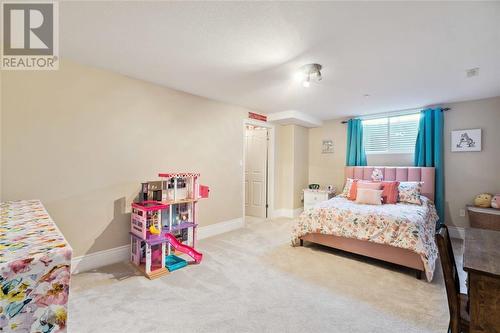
x: 400, y: 233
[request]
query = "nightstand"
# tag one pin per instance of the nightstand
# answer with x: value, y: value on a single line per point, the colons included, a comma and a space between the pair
x: 313, y: 197
x: 484, y: 218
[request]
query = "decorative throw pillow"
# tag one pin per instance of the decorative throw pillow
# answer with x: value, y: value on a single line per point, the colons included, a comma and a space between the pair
x: 352, y: 190
x: 390, y: 192
x: 362, y: 184
x: 369, y: 196
x: 409, y: 192
x: 347, y: 187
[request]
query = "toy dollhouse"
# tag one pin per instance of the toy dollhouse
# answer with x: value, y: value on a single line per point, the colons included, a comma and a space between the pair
x: 163, y: 223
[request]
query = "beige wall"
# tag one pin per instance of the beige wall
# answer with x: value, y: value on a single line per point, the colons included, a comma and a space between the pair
x: 1, y: 135
x: 466, y: 174
x: 82, y: 139
x: 284, y: 167
x: 327, y: 169
x: 291, y: 165
x: 470, y: 173
x: 301, y: 164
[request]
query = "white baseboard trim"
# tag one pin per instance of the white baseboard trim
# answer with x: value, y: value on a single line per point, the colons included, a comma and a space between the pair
x: 456, y: 232
x: 297, y: 212
x: 279, y: 213
x: 288, y: 213
x: 98, y: 259
x: 118, y: 254
x: 220, y: 228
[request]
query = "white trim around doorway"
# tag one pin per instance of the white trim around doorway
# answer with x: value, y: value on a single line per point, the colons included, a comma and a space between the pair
x: 270, y: 168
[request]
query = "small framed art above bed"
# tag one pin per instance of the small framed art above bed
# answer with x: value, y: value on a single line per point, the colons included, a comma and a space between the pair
x: 401, y: 232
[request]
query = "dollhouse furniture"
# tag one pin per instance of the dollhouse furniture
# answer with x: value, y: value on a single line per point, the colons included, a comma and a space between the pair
x: 313, y: 197
x: 163, y: 223
x: 35, y: 273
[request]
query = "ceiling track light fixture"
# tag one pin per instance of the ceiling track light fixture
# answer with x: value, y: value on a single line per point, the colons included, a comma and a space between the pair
x: 310, y: 72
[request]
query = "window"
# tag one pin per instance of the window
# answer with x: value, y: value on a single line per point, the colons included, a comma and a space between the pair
x: 394, y: 134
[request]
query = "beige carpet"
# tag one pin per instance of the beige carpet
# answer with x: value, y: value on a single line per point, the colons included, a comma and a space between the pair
x: 252, y: 280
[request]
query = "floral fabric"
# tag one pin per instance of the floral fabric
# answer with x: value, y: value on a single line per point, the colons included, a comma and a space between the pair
x: 409, y: 192
x: 401, y: 225
x: 34, y: 270
x: 347, y: 188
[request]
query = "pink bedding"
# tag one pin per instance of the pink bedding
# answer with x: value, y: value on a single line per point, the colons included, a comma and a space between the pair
x: 401, y: 225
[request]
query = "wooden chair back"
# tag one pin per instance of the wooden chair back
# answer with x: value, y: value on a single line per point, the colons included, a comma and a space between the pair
x: 450, y: 275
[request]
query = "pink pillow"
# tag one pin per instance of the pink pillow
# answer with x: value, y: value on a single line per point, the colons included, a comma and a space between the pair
x: 369, y: 196
x: 390, y: 192
x: 363, y: 184
x: 352, y: 191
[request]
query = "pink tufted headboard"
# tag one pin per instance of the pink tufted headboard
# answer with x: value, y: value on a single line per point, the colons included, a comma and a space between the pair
x: 402, y: 174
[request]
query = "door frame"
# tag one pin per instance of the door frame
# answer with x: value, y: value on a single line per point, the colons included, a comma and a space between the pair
x: 270, y: 163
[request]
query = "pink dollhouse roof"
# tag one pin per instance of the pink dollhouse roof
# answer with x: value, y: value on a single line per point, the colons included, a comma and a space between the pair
x: 178, y: 174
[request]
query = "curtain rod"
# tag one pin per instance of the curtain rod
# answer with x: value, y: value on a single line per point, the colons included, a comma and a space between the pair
x: 444, y: 109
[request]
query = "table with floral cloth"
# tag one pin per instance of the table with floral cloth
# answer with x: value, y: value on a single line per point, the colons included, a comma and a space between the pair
x: 34, y: 269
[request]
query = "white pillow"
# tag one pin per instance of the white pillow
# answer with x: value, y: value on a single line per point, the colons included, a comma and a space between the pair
x: 369, y: 196
x: 409, y: 192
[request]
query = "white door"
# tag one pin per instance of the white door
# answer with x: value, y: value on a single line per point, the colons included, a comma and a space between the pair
x: 256, y: 171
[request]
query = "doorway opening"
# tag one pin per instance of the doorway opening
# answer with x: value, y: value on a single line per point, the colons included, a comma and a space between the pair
x: 256, y: 171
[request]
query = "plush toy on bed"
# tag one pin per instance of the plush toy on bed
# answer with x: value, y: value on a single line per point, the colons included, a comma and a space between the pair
x: 377, y: 175
x: 495, y: 202
x: 483, y: 200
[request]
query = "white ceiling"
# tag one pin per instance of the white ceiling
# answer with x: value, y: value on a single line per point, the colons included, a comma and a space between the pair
x: 404, y: 54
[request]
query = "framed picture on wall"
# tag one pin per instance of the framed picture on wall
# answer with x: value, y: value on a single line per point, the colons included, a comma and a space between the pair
x: 466, y: 140
x: 327, y: 147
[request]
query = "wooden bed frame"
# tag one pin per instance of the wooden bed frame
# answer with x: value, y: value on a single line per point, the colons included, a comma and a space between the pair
x: 383, y: 252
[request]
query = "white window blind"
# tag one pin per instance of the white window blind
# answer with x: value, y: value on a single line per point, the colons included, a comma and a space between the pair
x: 393, y: 134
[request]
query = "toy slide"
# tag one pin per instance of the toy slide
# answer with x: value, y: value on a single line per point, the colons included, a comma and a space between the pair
x: 197, y: 256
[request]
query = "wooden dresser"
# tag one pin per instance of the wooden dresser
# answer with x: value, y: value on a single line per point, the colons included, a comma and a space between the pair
x: 482, y: 263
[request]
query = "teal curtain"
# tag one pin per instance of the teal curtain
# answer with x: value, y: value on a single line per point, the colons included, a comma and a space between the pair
x: 355, y: 148
x: 429, y: 152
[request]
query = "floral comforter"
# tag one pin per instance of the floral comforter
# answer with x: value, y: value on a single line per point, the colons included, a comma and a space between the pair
x: 34, y: 270
x: 401, y: 225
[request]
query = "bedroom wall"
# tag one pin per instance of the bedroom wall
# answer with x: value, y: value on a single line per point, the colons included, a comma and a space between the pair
x: 470, y: 173
x: 320, y: 163
x: 301, y: 164
x: 292, y: 165
x: 82, y: 139
x: 327, y: 169
x: 284, y: 167
x: 1, y: 77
